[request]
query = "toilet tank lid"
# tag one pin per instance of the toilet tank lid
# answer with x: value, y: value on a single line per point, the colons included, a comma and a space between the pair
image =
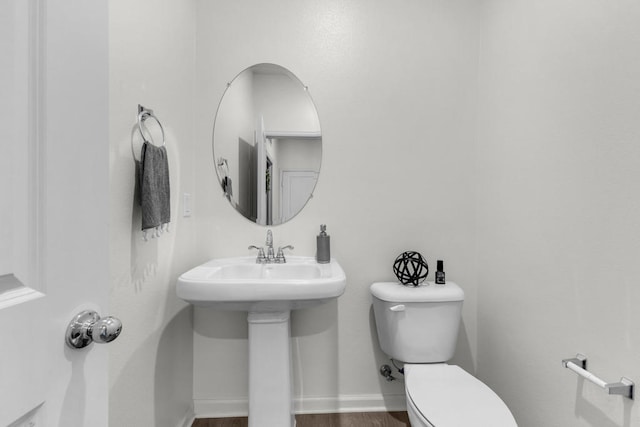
x: 426, y: 292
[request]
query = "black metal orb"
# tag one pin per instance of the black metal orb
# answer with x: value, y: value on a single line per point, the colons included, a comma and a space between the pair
x: 410, y: 268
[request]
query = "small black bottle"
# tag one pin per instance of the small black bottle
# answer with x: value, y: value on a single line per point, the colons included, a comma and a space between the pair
x: 440, y: 273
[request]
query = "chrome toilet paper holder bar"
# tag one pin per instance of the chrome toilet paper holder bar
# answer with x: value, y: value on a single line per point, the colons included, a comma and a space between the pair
x: 578, y: 365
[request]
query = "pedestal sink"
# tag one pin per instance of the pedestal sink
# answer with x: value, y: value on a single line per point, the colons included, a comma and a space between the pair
x: 268, y: 293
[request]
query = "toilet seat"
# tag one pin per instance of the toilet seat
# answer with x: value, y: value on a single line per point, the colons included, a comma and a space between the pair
x: 447, y: 396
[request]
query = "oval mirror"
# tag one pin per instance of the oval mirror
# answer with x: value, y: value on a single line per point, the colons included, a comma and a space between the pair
x: 267, y: 144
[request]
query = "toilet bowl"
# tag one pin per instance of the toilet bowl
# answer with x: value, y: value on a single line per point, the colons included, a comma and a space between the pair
x: 419, y: 326
x: 442, y: 395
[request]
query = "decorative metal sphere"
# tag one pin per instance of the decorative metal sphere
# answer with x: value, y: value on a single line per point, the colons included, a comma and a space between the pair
x: 410, y: 268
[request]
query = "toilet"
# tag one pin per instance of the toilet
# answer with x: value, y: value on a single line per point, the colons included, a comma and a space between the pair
x: 419, y: 326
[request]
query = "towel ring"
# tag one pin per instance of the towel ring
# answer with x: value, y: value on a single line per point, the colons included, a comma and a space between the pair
x: 144, y: 114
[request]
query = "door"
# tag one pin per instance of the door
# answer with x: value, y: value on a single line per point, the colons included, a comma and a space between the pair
x: 297, y: 188
x: 53, y: 209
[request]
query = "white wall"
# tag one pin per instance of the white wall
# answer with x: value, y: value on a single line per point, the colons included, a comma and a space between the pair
x: 152, y: 56
x: 284, y: 104
x: 558, y: 207
x: 395, y: 89
x: 299, y: 154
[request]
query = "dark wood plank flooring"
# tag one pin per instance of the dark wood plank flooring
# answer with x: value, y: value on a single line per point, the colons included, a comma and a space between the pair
x: 360, y: 419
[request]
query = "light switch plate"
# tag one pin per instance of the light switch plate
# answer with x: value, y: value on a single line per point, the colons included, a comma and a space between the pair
x: 186, y: 205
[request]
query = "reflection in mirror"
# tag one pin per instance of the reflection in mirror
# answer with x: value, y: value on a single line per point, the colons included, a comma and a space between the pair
x: 267, y: 144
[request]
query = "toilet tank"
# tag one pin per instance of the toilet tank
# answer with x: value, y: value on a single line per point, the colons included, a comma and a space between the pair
x: 417, y: 324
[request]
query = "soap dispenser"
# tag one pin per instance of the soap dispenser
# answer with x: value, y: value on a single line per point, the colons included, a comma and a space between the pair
x: 323, y: 242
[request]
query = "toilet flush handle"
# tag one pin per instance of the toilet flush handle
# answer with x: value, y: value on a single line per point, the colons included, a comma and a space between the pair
x: 399, y: 307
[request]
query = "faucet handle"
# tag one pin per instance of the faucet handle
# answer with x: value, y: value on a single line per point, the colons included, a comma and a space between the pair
x: 261, y: 259
x: 280, y: 259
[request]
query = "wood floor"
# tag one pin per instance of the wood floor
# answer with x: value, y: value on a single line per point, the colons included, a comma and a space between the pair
x: 367, y: 419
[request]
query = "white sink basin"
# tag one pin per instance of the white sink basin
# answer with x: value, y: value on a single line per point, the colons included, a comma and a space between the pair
x: 241, y: 284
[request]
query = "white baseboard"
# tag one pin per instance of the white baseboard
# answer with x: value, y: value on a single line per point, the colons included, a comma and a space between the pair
x: 220, y: 408
x: 187, y: 419
x: 209, y: 408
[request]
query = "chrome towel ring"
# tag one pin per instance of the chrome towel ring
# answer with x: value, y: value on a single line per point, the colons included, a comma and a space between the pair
x: 144, y: 114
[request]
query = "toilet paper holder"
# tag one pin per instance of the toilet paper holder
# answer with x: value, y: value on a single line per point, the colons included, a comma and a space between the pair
x: 578, y: 365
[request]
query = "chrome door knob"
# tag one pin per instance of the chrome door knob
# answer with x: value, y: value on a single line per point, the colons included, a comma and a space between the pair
x: 106, y: 329
x: 87, y: 327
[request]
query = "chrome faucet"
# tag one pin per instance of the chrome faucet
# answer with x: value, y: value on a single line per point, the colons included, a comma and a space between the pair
x: 270, y: 256
x: 280, y: 258
x: 269, y: 243
x: 261, y: 259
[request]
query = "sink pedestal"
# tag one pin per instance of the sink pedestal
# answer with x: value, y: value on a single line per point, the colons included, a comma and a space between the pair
x: 270, y: 382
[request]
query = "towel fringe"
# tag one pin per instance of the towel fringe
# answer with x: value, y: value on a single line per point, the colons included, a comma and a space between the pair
x: 156, y: 231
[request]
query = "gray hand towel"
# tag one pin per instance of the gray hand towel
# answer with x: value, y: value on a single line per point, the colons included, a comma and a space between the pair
x: 154, y: 187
